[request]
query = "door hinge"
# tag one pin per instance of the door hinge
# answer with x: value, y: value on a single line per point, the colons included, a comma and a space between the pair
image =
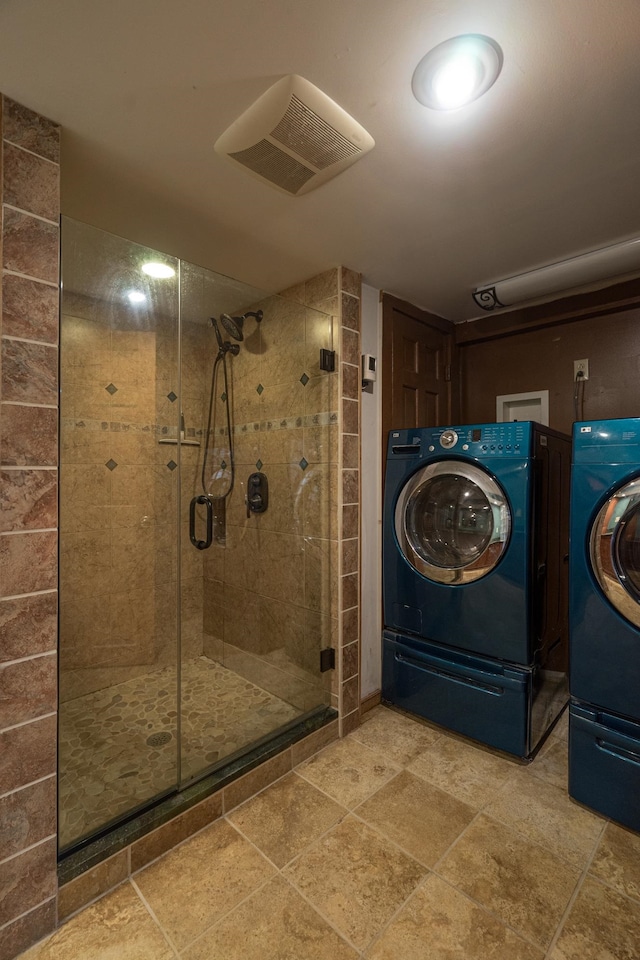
x: 328, y: 360
x: 447, y: 372
x: 327, y: 659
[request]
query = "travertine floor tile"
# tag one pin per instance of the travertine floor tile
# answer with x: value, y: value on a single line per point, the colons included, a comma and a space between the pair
x: 602, y: 925
x: 356, y: 879
x: 552, y: 763
x: 505, y: 876
x: 273, y: 924
x: 439, y: 923
x: 524, y: 884
x: 194, y: 885
x: 418, y: 816
x: 286, y: 818
x: 617, y: 860
x: 469, y: 773
x: 561, y: 729
x: 545, y: 814
x: 118, y: 926
x: 348, y: 771
x: 394, y: 736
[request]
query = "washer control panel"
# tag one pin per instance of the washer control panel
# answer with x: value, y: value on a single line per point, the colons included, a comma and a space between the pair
x: 482, y: 441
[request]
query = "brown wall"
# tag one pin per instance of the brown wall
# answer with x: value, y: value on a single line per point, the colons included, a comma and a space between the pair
x: 542, y: 359
x: 29, y: 188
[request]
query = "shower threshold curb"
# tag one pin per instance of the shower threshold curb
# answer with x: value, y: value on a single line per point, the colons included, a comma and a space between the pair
x: 89, y: 853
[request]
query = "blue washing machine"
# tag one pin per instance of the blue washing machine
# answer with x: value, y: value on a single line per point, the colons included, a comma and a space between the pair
x: 604, y: 618
x: 475, y: 574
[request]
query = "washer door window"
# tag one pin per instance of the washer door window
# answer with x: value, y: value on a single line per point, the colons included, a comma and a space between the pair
x: 615, y: 550
x: 452, y: 522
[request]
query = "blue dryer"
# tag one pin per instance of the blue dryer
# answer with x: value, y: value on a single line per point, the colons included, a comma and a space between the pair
x: 475, y: 573
x: 604, y: 617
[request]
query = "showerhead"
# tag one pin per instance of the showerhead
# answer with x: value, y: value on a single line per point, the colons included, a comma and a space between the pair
x: 233, y: 325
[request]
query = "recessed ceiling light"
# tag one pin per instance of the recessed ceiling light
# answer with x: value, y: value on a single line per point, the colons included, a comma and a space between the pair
x: 160, y: 270
x: 457, y: 71
x: 136, y: 297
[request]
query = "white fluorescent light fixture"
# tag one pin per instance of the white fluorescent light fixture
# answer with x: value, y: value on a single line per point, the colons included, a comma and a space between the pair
x: 562, y: 277
x: 136, y: 297
x: 457, y: 71
x: 161, y: 271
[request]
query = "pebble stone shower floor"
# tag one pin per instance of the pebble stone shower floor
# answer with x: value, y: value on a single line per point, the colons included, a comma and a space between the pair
x: 400, y: 842
x: 107, y: 764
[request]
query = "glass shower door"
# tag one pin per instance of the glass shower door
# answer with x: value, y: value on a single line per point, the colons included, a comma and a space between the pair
x: 256, y: 602
x: 190, y: 625
x: 118, y: 530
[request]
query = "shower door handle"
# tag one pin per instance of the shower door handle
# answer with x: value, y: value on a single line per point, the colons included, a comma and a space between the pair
x: 201, y: 544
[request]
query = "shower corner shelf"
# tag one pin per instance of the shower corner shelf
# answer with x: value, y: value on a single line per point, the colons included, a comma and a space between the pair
x: 183, y: 443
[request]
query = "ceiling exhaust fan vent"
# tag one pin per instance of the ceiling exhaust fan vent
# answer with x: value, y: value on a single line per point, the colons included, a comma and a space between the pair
x: 268, y: 161
x: 311, y: 137
x: 295, y: 137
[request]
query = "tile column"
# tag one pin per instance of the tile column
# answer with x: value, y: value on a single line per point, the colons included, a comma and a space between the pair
x: 337, y: 292
x: 29, y: 188
x: 349, y: 592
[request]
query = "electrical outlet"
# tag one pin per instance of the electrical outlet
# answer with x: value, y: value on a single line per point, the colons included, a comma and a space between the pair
x: 581, y: 366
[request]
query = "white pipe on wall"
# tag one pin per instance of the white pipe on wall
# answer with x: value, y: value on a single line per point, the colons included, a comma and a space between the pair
x: 603, y: 264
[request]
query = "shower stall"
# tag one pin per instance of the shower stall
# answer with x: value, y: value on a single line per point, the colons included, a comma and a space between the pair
x: 198, y: 547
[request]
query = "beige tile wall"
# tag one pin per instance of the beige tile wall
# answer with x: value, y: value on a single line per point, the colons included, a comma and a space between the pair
x: 269, y: 589
x: 29, y: 185
x: 118, y: 490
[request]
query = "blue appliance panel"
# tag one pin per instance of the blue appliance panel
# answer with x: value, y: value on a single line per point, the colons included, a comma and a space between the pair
x: 491, y: 616
x: 474, y: 696
x: 607, y: 441
x: 604, y: 646
x: 604, y: 763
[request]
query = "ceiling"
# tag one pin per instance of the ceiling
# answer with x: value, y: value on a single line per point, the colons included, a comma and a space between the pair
x: 543, y: 167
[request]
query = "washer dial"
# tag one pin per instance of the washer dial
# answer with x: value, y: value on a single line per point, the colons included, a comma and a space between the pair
x: 448, y: 439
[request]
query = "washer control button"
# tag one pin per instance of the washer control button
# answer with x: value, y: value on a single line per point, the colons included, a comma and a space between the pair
x: 465, y: 446
x: 448, y: 439
x: 431, y: 448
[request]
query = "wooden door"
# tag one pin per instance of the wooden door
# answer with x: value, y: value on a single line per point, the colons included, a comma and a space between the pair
x: 418, y: 385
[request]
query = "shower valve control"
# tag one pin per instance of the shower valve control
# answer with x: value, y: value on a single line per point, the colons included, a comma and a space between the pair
x: 257, y: 493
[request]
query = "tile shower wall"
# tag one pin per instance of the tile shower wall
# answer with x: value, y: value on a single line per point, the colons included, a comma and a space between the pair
x: 118, y: 494
x: 29, y: 185
x: 269, y: 589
